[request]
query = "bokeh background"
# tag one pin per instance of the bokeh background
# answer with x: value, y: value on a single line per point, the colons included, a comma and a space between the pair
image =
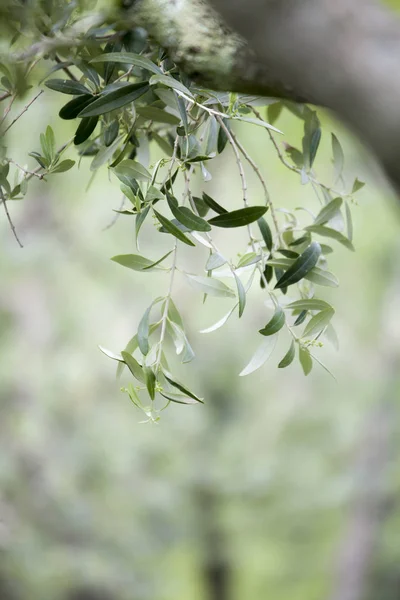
x: 280, y: 486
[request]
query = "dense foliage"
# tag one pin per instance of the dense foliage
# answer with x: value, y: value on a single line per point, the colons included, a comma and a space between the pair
x: 126, y: 96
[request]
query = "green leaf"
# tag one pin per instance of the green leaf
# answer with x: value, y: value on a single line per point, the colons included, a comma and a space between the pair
x: 331, y: 233
x: 208, y: 285
x: 180, y: 399
x: 127, y: 170
x: 150, y: 381
x: 261, y: 355
x: 349, y: 222
x: 289, y: 357
x: 301, y: 266
x: 143, y: 332
x: 117, y: 98
x: 219, y: 323
x: 157, y: 262
x: 238, y: 218
x: 357, y: 185
x: 328, y: 211
x: 67, y: 86
x: 250, y: 258
x: 140, y: 218
x: 314, y: 144
x: 215, y: 261
x: 128, y: 58
x: 173, y: 229
x: 309, y: 304
x: 305, y: 360
x: 152, y: 113
x: 187, y: 217
x: 182, y: 388
x: 72, y: 109
x: 133, y: 366
x: 273, y: 112
x: 201, y: 206
x: 266, y: 233
x: 171, y: 83
x: 63, y: 166
x: 85, y: 130
x: 112, y: 355
x: 241, y: 295
x: 338, y: 157
x: 136, y: 262
x: 301, y: 318
x: 318, y: 322
x: 214, y: 205
x: 275, y: 324
x: 322, y: 277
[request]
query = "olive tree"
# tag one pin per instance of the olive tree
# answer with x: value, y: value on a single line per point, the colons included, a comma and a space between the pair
x: 173, y: 74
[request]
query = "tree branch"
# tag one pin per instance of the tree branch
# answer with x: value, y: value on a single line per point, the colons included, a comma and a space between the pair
x: 343, y: 55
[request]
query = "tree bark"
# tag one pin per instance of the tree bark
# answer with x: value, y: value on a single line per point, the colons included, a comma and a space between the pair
x: 343, y: 55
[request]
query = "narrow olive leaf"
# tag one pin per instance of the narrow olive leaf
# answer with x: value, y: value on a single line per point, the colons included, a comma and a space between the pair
x: 301, y: 240
x: 328, y: 211
x: 331, y: 335
x: 117, y: 98
x: 258, y: 122
x: 111, y: 355
x: 301, y: 266
x: 150, y: 381
x: 143, y: 331
x: 129, y: 170
x: 219, y: 323
x: 174, y: 314
x: 267, y: 276
x: 349, y: 222
x: 279, y: 274
x: 241, y: 295
x: 179, y: 386
x: 72, y: 109
x: 85, y: 130
x: 238, y: 218
x: 173, y: 229
x: 152, y: 113
x: 266, y: 233
x: 187, y: 217
x: 281, y: 263
x: 133, y: 366
x: 275, y: 324
x: 201, y: 206
x: 111, y: 133
x: 326, y: 249
x: 321, y: 277
x: 357, y: 185
x: 157, y: 262
x: 338, y: 157
x: 128, y: 58
x: 215, y: 261
x: 261, y: 355
x: 208, y: 285
x: 318, y: 322
x: 309, y: 304
x: 273, y: 111
x: 140, y: 218
x: 63, y: 166
x: 331, y: 233
x: 301, y: 318
x: 288, y: 253
x: 178, y: 398
x: 171, y: 83
x: 213, y: 205
x: 136, y: 262
x: 67, y: 86
x: 314, y: 144
x: 250, y: 258
x: 289, y: 356
x: 305, y: 360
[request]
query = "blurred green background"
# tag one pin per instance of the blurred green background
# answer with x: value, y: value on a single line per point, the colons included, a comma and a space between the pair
x: 280, y: 487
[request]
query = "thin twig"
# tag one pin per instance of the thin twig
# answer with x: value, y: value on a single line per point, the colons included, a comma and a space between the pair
x: 263, y: 184
x: 23, y: 111
x: 3, y: 199
x: 30, y: 173
x: 65, y: 69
